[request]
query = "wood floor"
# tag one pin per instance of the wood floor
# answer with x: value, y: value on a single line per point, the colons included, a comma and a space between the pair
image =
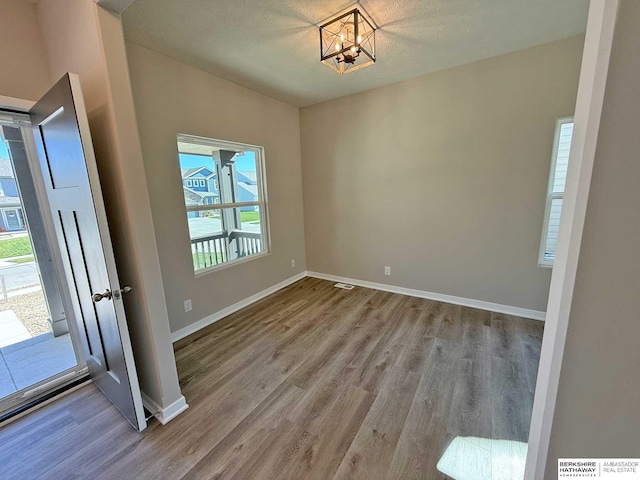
x: 311, y: 382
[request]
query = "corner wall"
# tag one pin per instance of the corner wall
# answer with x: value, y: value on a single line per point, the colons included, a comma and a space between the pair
x: 171, y: 98
x: 442, y: 177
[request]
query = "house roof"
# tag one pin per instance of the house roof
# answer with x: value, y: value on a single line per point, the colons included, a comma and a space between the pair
x: 187, y: 172
x: 6, y: 169
x: 252, y: 189
x: 192, y: 198
x: 250, y: 175
x: 190, y: 172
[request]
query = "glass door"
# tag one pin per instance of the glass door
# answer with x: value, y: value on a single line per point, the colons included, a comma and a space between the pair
x: 38, y: 352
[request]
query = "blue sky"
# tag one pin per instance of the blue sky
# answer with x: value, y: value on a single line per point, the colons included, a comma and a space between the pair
x: 3, y: 150
x: 246, y: 162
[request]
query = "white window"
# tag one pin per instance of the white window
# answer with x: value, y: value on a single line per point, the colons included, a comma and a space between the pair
x: 237, y: 228
x: 555, y: 191
x: 189, y: 183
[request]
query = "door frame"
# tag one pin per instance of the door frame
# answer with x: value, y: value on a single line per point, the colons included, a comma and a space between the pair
x: 16, y: 104
x: 18, y: 110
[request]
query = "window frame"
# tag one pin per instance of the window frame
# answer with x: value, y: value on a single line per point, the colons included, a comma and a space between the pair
x: 262, y: 201
x: 551, y: 195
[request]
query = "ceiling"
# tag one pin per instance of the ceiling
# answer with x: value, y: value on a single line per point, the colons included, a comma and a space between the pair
x: 272, y: 46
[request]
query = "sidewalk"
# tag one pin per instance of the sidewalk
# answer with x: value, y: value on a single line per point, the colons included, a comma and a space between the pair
x: 7, y: 262
x: 16, y: 234
x: 19, y: 278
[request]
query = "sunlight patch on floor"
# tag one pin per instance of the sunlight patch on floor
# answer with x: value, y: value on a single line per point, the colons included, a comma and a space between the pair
x: 473, y: 458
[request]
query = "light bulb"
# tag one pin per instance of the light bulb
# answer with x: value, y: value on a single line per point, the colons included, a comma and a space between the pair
x: 353, y: 49
x: 359, y: 39
x: 337, y: 47
x: 341, y: 38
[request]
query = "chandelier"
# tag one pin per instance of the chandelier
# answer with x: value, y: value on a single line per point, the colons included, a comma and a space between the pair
x: 348, y: 42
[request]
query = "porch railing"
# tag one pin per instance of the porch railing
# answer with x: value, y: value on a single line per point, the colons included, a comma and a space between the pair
x: 248, y: 243
x: 222, y: 247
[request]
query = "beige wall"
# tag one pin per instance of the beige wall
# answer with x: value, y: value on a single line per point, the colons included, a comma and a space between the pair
x: 172, y: 98
x: 598, y: 405
x: 24, y: 72
x: 83, y: 38
x: 442, y: 177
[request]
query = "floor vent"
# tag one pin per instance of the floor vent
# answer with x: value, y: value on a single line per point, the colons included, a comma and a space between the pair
x: 345, y: 286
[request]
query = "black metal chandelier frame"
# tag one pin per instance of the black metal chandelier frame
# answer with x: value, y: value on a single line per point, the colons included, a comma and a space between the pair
x: 340, y: 55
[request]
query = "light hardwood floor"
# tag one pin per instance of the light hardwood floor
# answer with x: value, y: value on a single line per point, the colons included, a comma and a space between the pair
x: 310, y: 382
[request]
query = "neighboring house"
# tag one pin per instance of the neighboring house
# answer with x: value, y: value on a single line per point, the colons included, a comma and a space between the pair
x: 11, y: 216
x: 201, y: 180
x: 192, y: 199
x: 247, y: 193
x: 201, y: 187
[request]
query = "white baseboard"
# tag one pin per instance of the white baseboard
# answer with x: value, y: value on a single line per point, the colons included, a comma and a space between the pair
x: 164, y: 415
x: 440, y: 297
x: 214, y: 317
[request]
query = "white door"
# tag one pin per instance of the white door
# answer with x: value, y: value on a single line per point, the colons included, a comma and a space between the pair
x: 70, y: 173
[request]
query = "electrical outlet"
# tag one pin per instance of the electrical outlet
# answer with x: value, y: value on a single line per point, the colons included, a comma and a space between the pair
x: 387, y: 270
x: 293, y: 263
x: 187, y: 306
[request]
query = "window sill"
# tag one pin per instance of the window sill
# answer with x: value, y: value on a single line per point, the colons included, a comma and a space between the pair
x: 223, y: 266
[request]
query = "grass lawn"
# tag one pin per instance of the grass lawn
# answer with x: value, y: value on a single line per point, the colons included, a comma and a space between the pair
x: 22, y: 260
x: 244, y: 217
x: 206, y: 260
x: 249, y: 217
x: 14, y: 247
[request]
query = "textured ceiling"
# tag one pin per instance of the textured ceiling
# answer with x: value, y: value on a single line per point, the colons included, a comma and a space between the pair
x: 272, y: 46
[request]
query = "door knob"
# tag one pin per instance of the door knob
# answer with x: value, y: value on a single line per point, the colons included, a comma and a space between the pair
x: 125, y: 289
x: 99, y: 296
